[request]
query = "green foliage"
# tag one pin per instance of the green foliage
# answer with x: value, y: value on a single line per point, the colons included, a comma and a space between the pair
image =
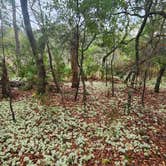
x: 28, y: 72
x: 90, y: 66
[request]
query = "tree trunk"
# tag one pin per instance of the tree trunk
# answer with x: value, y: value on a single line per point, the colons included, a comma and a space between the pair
x: 4, y: 80
x: 159, y: 78
x: 41, y: 85
x: 106, y: 73
x: 112, y: 74
x: 74, y: 61
x: 4, y: 77
x: 137, y: 39
x: 17, y: 42
x: 52, y: 69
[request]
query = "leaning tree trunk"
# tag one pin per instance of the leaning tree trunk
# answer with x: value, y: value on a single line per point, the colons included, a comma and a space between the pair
x: 159, y: 78
x: 52, y: 68
x: 41, y: 85
x: 137, y: 39
x: 17, y: 42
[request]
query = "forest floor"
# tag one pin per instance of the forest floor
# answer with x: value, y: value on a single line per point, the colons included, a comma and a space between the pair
x: 102, y: 133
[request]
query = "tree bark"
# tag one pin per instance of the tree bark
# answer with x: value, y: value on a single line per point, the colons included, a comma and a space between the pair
x: 159, y: 78
x: 74, y: 60
x: 41, y: 85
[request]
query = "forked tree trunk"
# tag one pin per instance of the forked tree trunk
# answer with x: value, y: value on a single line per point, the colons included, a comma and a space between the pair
x: 159, y: 78
x: 41, y: 84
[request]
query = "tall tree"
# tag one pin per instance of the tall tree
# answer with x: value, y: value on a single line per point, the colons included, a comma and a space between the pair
x: 41, y: 85
x: 43, y: 22
x: 75, y: 49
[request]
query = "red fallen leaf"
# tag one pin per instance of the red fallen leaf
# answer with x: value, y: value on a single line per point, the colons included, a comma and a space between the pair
x: 22, y: 162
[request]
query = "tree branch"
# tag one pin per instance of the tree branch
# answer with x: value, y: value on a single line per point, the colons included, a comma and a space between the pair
x: 161, y: 13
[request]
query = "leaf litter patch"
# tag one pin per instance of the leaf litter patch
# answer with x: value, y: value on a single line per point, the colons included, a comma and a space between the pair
x: 103, y: 135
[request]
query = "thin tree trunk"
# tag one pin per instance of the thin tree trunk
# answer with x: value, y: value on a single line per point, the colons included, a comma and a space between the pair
x: 53, y: 74
x: 41, y: 85
x: 83, y: 77
x: 159, y: 78
x: 11, y: 107
x: 4, y: 80
x: 52, y: 68
x: 106, y: 73
x: 112, y: 74
x: 17, y: 42
x: 144, y: 87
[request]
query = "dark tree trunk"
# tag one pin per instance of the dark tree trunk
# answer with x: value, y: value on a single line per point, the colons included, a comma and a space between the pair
x: 112, y: 74
x: 106, y: 73
x: 17, y: 42
x: 75, y: 51
x: 74, y: 60
x: 41, y: 87
x: 159, y: 78
x: 4, y: 80
x: 38, y: 58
